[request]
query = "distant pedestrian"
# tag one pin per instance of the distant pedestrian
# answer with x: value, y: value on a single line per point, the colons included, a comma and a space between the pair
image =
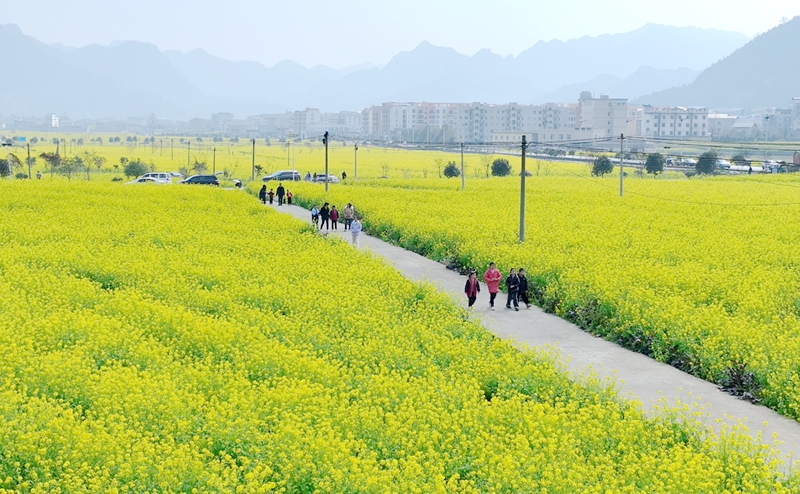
x: 271, y: 195
x: 512, y: 284
x: 523, y: 288
x: 355, y: 231
x: 492, y: 279
x: 344, y: 175
x: 308, y: 176
x: 38, y: 175
x: 281, y: 194
x: 262, y: 194
x: 289, y: 197
x: 348, y: 214
x: 472, y: 288
x: 315, y: 216
x: 750, y: 169
x: 324, y: 216
x: 334, y: 218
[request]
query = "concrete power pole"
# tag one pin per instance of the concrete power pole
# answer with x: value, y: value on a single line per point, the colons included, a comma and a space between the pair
x: 253, y: 164
x: 463, y: 185
x: 522, y: 192
x: 355, y: 161
x: 327, y: 176
x: 621, y: 161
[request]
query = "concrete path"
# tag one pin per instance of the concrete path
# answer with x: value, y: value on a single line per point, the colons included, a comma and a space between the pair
x: 638, y: 377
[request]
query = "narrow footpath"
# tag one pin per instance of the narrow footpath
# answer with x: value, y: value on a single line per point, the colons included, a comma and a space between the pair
x: 638, y: 376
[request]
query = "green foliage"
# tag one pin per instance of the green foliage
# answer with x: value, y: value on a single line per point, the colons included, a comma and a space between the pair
x: 134, y: 168
x: 654, y: 163
x: 707, y: 163
x: 451, y: 170
x: 5, y: 170
x: 601, y: 166
x: 501, y: 167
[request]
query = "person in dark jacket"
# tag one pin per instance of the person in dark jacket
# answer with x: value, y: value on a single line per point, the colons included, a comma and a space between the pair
x: 262, y: 194
x: 472, y: 288
x: 512, y: 284
x: 270, y: 194
x: 324, y: 214
x: 523, y: 288
x: 281, y: 192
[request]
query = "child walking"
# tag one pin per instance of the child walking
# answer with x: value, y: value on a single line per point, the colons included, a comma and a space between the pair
x: 472, y: 288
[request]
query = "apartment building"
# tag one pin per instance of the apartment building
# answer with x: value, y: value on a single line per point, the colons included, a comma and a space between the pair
x: 607, y: 117
x: 676, y: 122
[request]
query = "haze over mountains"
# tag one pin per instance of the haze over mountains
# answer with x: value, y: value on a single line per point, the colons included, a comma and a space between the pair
x: 135, y: 78
x: 763, y: 73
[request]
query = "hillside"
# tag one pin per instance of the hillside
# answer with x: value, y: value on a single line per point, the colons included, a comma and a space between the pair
x: 763, y: 73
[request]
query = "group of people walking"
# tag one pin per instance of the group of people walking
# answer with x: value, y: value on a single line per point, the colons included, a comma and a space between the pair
x: 516, y: 283
x: 328, y: 217
x: 283, y: 195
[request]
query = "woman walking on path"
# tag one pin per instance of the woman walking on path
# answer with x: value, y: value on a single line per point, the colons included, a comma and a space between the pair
x: 262, y: 194
x: 334, y: 218
x: 315, y: 217
x: 472, y: 288
x: 289, y: 197
x: 355, y: 230
x: 492, y: 279
x: 512, y: 283
x: 348, y: 214
x: 271, y: 195
x: 523, y: 288
x: 325, y: 214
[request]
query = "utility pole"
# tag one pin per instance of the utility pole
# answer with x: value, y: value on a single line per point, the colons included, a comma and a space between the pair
x: 463, y: 185
x: 522, y: 192
x: 253, y: 166
x: 621, y: 161
x: 172, y: 149
x: 214, y: 160
x: 325, y: 140
x: 288, y: 145
x: 161, y: 144
x: 355, y: 162
x: 29, y: 161
x: 188, y: 155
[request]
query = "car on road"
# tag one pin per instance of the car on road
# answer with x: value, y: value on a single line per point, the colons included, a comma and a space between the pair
x: 159, y: 177
x: 284, y: 175
x: 142, y: 180
x: 201, y: 180
x: 320, y: 178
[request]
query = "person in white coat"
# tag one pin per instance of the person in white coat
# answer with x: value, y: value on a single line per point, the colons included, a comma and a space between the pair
x: 355, y: 230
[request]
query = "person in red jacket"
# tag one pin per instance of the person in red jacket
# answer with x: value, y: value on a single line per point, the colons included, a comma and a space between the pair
x: 472, y: 288
x: 492, y: 278
x: 334, y: 217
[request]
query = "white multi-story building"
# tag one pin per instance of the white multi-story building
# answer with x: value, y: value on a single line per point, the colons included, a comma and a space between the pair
x: 795, y: 114
x: 720, y: 124
x: 676, y: 122
x: 607, y: 117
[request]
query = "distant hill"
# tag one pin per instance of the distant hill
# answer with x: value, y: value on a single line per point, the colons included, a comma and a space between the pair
x: 134, y: 78
x: 644, y: 81
x: 763, y: 73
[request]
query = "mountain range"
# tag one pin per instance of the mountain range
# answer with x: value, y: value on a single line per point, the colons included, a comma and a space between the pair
x: 135, y: 78
x: 763, y: 73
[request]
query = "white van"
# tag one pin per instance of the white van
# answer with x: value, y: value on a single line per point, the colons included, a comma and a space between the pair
x: 159, y: 177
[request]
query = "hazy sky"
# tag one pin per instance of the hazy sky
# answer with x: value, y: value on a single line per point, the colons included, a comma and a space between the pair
x: 346, y: 32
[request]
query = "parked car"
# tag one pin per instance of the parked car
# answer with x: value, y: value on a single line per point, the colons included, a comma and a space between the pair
x: 283, y: 176
x: 201, y: 179
x: 159, y: 177
x: 320, y: 178
x: 143, y: 180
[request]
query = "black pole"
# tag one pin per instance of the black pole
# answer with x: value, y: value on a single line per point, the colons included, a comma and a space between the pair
x: 253, y: 166
x: 522, y: 192
x: 325, y: 140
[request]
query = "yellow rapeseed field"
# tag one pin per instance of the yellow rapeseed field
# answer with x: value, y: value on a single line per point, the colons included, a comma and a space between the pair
x: 700, y: 273
x: 187, y: 339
